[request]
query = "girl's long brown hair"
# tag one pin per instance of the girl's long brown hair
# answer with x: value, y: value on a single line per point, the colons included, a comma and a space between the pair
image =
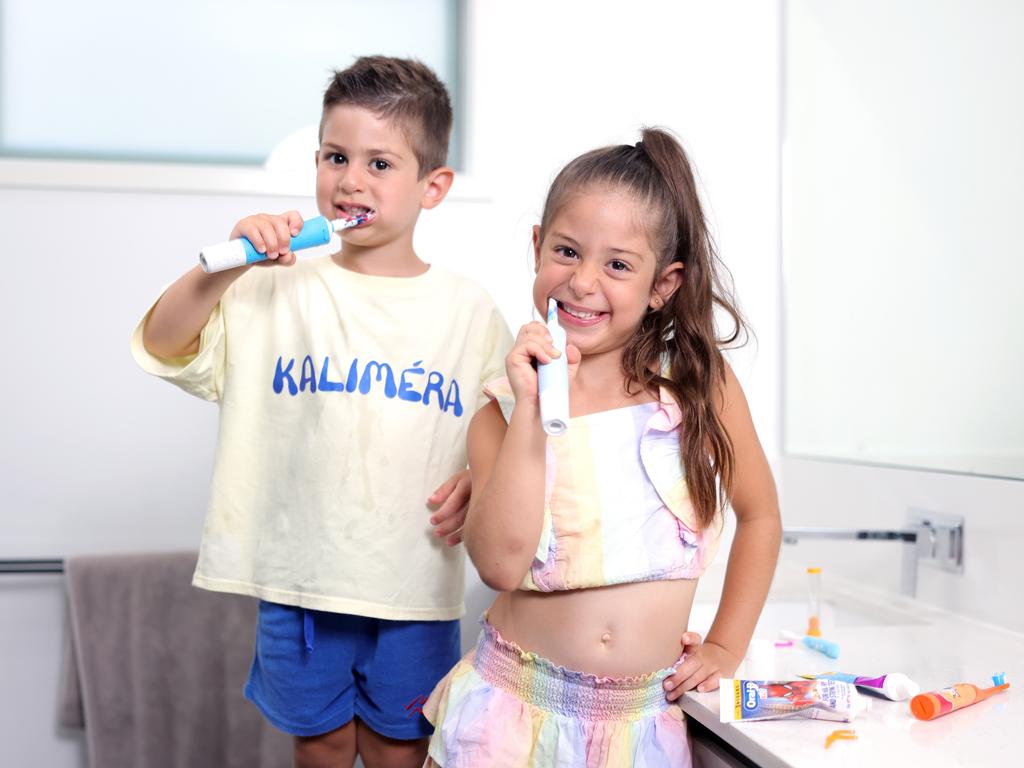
x: 657, y: 173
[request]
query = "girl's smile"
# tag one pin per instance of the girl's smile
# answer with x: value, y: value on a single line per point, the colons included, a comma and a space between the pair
x: 571, y: 314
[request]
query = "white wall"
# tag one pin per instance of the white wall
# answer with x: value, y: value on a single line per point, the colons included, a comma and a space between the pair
x: 128, y: 456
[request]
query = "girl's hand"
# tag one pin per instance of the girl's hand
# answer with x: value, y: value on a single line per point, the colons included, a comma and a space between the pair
x: 271, y: 235
x: 451, y: 502
x: 703, y: 666
x: 532, y: 343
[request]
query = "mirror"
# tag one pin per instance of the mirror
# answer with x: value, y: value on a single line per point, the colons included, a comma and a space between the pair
x: 903, y: 162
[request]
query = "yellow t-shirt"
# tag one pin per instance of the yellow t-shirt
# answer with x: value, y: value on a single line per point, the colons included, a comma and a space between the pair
x: 344, y: 402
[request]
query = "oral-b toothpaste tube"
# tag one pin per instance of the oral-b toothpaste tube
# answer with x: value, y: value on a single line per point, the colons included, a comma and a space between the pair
x: 239, y: 252
x: 553, y: 380
x: 747, y: 700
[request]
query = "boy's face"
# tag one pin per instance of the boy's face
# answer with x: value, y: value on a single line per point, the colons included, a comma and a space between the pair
x: 365, y: 163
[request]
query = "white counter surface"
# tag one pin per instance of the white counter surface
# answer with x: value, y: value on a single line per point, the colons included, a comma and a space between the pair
x: 880, y: 633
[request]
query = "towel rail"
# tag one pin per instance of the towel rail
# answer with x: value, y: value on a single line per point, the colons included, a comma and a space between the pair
x: 32, y: 566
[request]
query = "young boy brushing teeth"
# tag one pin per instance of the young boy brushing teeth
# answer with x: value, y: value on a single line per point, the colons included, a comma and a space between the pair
x: 346, y: 385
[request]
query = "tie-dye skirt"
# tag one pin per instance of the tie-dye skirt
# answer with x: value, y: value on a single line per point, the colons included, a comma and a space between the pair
x: 503, y: 707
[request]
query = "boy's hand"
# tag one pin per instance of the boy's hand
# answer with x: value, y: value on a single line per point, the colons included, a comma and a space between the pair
x: 450, y: 502
x: 534, y: 344
x: 271, y: 235
x: 703, y: 666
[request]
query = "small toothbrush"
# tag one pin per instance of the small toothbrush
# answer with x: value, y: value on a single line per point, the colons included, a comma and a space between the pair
x: 818, y: 644
x: 928, y: 706
x: 239, y: 252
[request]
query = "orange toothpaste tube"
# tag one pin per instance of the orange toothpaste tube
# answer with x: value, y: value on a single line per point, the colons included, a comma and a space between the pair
x: 928, y: 706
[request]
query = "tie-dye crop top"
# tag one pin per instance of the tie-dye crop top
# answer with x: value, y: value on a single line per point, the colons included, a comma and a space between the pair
x: 616, y: 505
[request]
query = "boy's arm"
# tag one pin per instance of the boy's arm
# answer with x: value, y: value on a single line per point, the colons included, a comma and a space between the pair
x: 449, y: 504
x: 752, y: 557
x: 173, y: 326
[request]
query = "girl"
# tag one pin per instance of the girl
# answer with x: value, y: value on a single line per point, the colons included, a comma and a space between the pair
x: 596, y: 538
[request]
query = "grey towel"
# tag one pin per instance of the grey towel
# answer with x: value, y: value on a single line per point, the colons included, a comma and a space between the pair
x: 155, y: 668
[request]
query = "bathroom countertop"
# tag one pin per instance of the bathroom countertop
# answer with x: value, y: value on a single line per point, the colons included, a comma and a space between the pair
x: 880, y: 633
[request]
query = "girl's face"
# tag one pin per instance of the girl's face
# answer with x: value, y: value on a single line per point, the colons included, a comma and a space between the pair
x: 596, y: 261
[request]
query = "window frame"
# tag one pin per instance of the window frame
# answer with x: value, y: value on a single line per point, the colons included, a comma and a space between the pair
x: 234, y: 179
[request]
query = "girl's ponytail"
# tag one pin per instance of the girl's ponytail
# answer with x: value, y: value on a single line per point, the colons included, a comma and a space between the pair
x: 684, y: 330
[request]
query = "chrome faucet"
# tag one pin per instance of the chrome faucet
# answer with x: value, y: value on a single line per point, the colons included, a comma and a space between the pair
x: 928, y: 537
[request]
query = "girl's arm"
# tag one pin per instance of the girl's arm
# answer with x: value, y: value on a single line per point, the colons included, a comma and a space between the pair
x: 507, y: 466
x: 752, y: 558
x: 506, y: 508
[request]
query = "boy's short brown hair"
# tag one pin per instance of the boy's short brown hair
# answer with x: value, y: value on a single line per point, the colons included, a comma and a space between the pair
x: 404, y: 90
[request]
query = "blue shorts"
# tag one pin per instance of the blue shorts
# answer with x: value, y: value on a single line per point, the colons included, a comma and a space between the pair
x: 313, y: 671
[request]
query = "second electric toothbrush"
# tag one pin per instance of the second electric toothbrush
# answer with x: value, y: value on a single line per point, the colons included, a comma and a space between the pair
x: 553, y: 379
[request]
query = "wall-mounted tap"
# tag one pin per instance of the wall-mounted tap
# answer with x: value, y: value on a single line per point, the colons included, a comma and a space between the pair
x: 928, y: 537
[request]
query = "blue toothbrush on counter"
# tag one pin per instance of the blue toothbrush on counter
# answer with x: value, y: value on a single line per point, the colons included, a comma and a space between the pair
x: 818, y: 644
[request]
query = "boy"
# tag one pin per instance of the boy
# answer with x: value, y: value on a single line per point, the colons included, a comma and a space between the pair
x: 346, y: 385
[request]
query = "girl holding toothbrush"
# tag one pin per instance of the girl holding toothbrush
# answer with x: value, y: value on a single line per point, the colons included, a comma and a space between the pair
x: 596, y: 538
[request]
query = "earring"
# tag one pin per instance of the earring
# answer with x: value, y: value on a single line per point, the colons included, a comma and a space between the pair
x: 657, y: 302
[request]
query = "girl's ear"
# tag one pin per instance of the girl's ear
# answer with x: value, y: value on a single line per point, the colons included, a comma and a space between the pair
x: 666, y: 284
x: 536, y: 247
